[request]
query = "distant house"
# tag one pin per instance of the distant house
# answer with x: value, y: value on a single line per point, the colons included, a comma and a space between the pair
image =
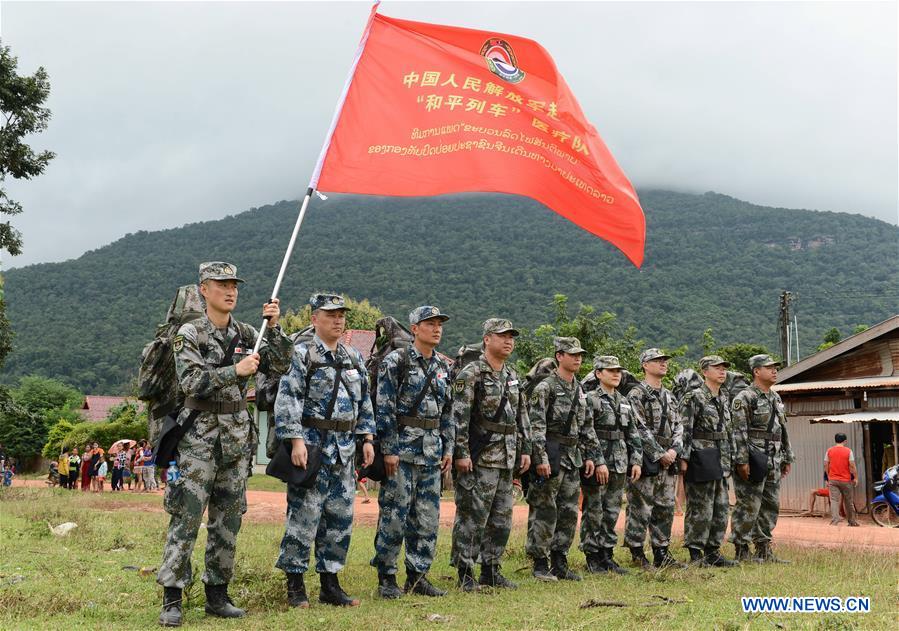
x: 96, y: 407
x: 853, y: 388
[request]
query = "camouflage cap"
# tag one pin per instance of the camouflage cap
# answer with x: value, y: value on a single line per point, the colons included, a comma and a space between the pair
x: 606, y: 362
x: 426, y: 312
x: 218, y: 270
x: 761, y: 361
x: 713, y: 360
x: 327, y: 302
x: 570, y: 345
x: 652, y: 353
x: 498, y: 325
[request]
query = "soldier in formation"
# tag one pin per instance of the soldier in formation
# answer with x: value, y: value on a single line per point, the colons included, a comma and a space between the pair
x: 618, y: 458
x: 706, y: 463
x: 651, y: 499
x: 213, y: 362
x: 414, y: 423
x: 323, y: 401
x: 760, y: 432
x: 563, y: 442
x: 492, y: 441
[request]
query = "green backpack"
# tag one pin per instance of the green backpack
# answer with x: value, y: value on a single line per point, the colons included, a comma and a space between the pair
x: 157, y: 382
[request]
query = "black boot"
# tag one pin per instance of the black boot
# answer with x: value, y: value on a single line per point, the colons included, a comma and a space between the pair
x: 662, y: 558
x: 713, y: 557
x: 218, y: 603
x: 594, y: 563
x: 296, y: 591
x: 170, y: 616
x: 332, y: 594
x: 610, y: 564
x: 697, y: 557
x: 492, y: 577
x: 541, y: 571
x: 742, y: 554
x: 560, y: 567
x: 764, y: 553
x: 418, y: 583
x: 638, y: 556
x: 387, y: 587
x: 466, y: 580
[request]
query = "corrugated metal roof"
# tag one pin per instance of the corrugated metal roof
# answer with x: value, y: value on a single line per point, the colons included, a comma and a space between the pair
x: 859, y: 417
x: 837, y: 384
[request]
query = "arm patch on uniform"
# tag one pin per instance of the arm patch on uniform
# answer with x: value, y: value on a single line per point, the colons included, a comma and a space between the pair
x: 459, y: 386
x: 738, y: 404
x: 177, y: 343
x: 535, y: 398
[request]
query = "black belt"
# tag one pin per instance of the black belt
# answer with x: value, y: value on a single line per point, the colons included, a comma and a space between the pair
x: 664, y: 442
x: 211, y: 405
x: 710, y: 435
x: 609, y: 435
x: 414, y: 421
x: 562, y: 439
x: 334, y: 426
x: 498, y: 428
x: 760, y: 433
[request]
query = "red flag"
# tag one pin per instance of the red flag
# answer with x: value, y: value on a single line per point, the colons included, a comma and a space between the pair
x: 434, y: 109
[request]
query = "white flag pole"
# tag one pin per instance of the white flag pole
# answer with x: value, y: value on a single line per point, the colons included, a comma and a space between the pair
x: 313, y: 182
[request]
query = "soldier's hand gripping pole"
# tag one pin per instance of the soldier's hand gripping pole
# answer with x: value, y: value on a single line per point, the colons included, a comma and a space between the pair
x: 293, y: 239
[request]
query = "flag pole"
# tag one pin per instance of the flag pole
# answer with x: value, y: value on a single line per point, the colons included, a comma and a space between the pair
x: 313, y: 182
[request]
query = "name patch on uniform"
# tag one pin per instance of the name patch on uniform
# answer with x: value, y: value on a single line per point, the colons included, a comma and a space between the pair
x: 352, y: 373
x: 441, y: 375
x: 514, y: 382
x: 178, y: 343
x: 625, y: 407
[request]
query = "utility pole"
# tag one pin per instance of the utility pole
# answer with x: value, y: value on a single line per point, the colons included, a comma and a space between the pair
x: 783, y: 325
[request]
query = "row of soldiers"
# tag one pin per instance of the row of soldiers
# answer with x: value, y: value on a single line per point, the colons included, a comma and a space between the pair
x: 481, y: 424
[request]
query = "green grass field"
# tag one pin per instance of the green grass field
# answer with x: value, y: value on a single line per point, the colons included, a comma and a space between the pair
x: 92, y: 579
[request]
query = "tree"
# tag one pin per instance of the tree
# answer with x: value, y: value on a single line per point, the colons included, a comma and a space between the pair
x: 738, y: 355
x: 830, y: 338
x: 361, y: 315
x: 21, y: 98
x: 41, y: 395
x: 22, y: 432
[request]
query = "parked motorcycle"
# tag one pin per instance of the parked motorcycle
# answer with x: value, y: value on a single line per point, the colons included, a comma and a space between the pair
x: 885, y: 506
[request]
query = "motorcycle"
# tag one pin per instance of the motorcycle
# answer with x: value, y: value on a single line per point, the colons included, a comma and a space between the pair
x: 885, y: 506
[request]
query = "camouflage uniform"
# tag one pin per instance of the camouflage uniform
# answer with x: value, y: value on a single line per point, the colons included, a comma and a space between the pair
x: 553, y: 509
x: 216, y: 453
x: 756, y: 510
x: 409, y: 500
x: 484, y: 496
x: 708, y: 504
x: 323, y: 513
x: 650, y: 500
x: 619, y: 449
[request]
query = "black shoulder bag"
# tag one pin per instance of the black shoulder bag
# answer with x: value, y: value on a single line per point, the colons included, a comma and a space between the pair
x: 282, y: 467
x: 477, y: 436
x: 705, y: 464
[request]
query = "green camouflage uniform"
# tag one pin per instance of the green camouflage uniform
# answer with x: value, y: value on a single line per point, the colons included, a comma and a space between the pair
x: 650, y: 500
x: 708, y: 504
x: 484, y: 496
x: 758, y: 503
x: 552, y: 512
x: 619, y: 449
x: 215, y: 455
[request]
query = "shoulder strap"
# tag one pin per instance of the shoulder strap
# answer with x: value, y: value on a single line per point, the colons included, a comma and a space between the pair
x: 429, y: 386
x: 575, y: 397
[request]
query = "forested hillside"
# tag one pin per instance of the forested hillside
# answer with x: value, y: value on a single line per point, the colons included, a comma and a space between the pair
x: 711, y: 261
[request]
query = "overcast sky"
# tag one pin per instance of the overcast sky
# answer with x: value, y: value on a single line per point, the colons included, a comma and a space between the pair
x: 168, y: 113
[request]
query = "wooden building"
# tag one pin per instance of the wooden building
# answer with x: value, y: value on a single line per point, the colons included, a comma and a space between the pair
x: 852, y: 388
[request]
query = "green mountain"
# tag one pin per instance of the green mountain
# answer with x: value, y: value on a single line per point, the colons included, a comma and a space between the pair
x: 711, y: 261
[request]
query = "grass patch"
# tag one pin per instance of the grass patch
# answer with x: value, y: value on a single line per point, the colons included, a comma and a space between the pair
x: 93, y: 578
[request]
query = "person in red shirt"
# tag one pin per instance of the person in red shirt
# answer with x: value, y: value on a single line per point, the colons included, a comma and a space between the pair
x: 839, y: 465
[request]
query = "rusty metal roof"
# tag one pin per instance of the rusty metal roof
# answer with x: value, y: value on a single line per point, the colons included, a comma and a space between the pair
x: 838, y: 384
x: 859, y: 417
